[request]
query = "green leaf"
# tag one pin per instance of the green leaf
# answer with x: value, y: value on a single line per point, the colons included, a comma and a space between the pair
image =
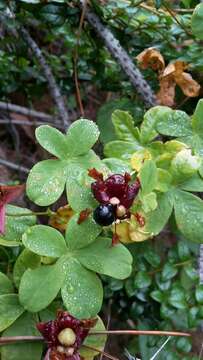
x: 44, y: 240
x: 82, y: 292
x: 6, y: 286
x: 198, y: 114
x: 46, y: 182
x: 196, y: 21
x: 53, y: 14
x: 78, y: 164
x: 121, y: 149
x: 164, y: 180
x: 194, y: 183
x: 157, y: 295
x: 124, y: 126
x: 199, y: 293
x: 151, y: 117
x: 80, y: 235
x: 169, y: 271
x: 95, y: 341
x: 78, y: 189
x: 17, y: 225
x: 183, y: 250
x: 157, y: 219
x: 142, y: 279
x: 39, y: 287
x: 10, y: 310
x: 102, y: 257
x: 183, y: 344
x: 174, y: 123
x: 53, y: 141
x: 189, y: 215
x: 105, y: 112
x: 26, y: 260
x: 148, y: 177
x: 184, y: 163
x: 152, y: 257
x: 81, y: 136
x: 24, y: 325
x: 149, y: 202
x: 117, y: 166
x: 191, y: 272
x: 177, y: 298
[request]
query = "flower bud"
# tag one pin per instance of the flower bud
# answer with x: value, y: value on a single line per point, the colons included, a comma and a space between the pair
x: 67, y: 337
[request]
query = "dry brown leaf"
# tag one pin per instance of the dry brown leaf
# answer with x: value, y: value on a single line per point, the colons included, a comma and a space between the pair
x: 188, y: 85
x: 61, y: 218
x: 151, y: 58
x: 174, y: 74
x: 166, y: 94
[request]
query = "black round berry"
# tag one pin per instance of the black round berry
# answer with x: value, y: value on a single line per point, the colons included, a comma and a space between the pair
x: 104, y: 215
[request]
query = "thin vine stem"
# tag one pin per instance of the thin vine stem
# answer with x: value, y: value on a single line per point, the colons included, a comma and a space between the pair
x: 33, y: 213
x: 13, y: 339
x: 139, y: 332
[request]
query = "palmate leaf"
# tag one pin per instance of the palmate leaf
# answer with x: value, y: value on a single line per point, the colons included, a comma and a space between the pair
x: 44, y: 240
x: 46, y: 182
x: 82, y: 292
x: 47, y: 179
x: 81, y: 235
x: 26, y: 260
x: 39, y: 287
x: 53, y: 141
x: 102, y: 257
x: 81, y: 136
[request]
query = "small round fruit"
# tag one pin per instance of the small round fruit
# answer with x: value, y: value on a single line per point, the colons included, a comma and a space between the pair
x: 104, y: 215
x: 67, y: 337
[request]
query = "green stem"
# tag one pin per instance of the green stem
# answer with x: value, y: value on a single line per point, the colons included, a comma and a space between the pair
x: 33, y: 213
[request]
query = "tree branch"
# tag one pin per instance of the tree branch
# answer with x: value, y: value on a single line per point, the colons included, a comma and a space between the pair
x: 14, y: 166
x: 122, y: 58
x: 53, y: 87
x: 29, y: 123
x: 25, y: 111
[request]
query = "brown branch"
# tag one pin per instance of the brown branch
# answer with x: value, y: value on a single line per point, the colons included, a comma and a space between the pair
x: 37, y: 52
x: 122, y: 57
x: 12, y: 339
x: 25, y: 111
x: 14, y: 166
x: 53, y: 87
x: 29, y: 123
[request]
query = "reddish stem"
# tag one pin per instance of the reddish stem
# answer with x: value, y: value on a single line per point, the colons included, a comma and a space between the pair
x: 139, y: 332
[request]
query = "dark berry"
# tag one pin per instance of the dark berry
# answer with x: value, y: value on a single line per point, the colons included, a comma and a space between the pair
x: 104, y: 215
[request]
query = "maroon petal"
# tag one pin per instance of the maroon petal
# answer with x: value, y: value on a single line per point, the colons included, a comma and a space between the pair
x: 99, y: 192
x: 130, y: 194
x: 2, y: 218
x: 10, y: 193
x: 50, y: 332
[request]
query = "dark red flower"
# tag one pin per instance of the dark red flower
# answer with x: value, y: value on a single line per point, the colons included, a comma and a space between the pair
x: 64, y: 336
x: 116, y: 187
x: 7, y: 194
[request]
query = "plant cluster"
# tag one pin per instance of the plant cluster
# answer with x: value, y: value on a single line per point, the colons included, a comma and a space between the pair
x: 131, y: 227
